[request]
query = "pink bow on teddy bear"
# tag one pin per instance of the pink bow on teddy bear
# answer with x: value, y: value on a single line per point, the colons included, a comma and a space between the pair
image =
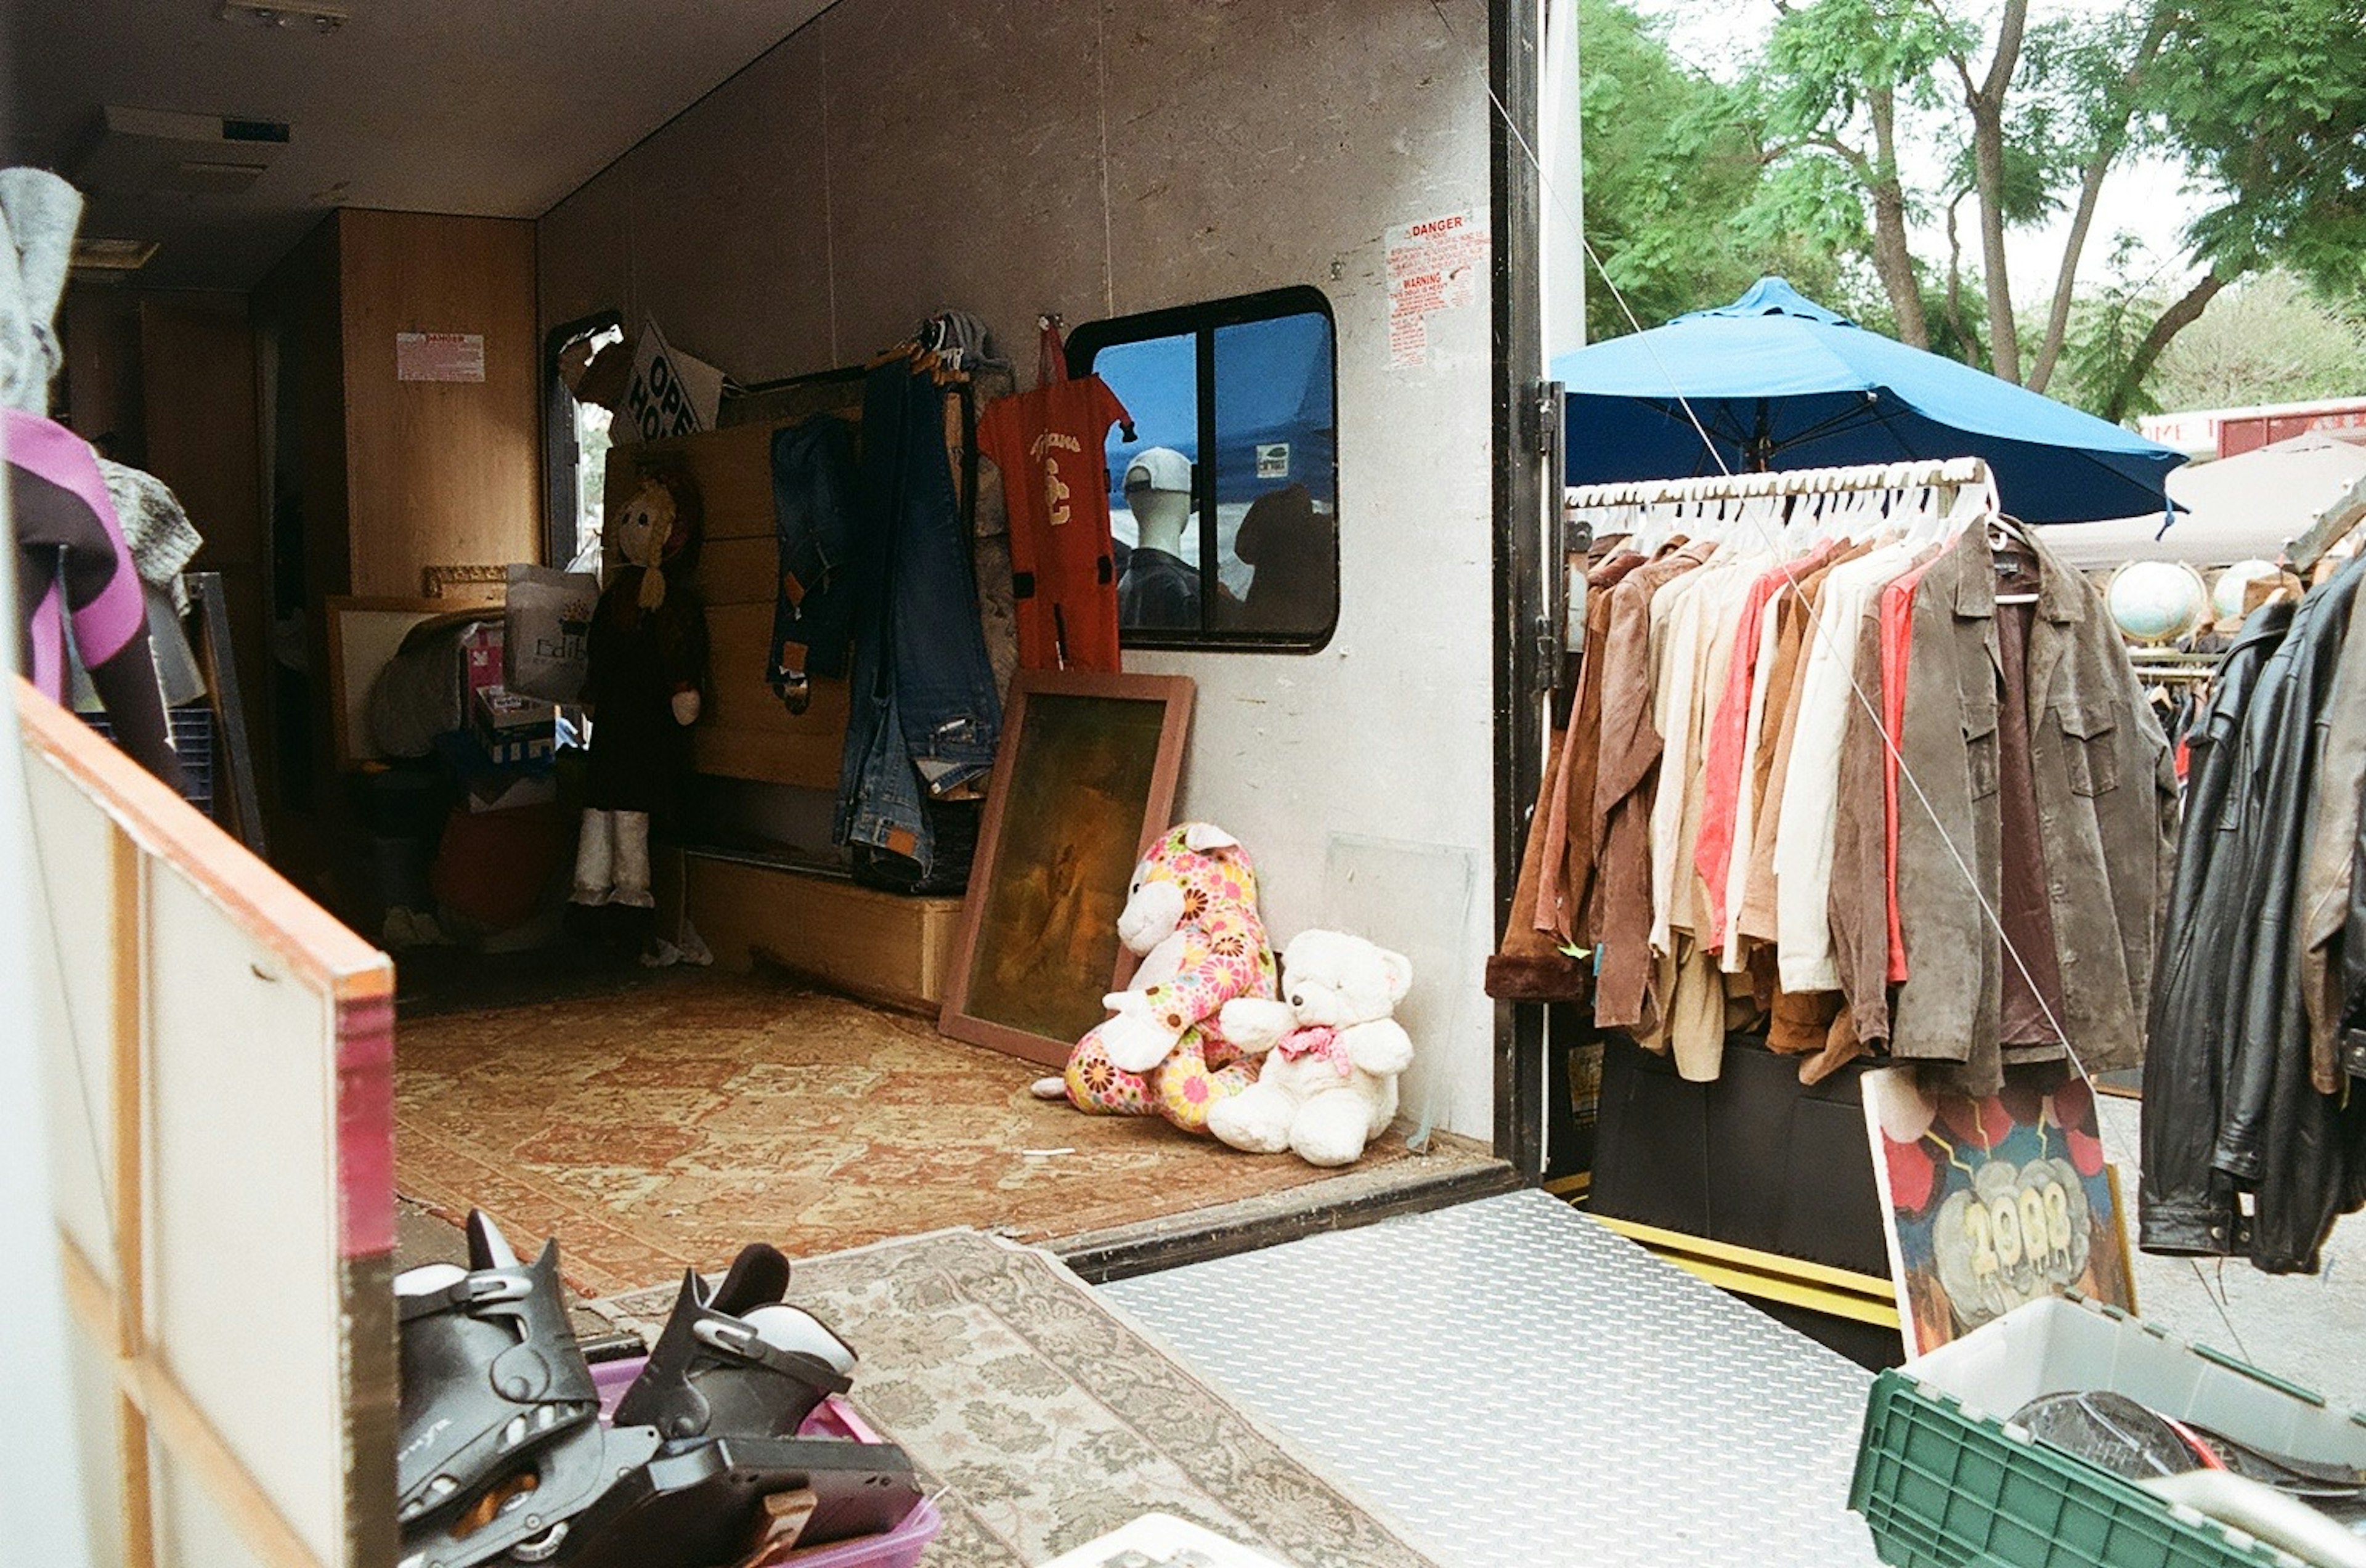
x: 1320, y: 1040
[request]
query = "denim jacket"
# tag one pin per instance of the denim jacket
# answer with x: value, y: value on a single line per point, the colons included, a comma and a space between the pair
x: 924, y: 712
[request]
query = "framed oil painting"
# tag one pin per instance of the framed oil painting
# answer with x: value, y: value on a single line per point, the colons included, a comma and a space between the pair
x: 1084, y: 780
x: 1995, y: 1202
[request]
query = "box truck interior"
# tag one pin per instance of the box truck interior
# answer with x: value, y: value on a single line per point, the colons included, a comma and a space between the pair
x: 361, y: 284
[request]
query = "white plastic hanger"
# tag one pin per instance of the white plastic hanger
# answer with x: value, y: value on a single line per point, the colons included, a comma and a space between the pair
x: 1798, y: 509
x: 1924, y: 520
x: 1651, y: 529
x: 1863, y: 514
x: 1762, y: 521
x: 1823, y: 510
x: 2004, y: 531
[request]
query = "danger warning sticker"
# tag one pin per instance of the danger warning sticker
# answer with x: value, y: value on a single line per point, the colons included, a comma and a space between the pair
x: 439, y: 356
x: 1432, y: 265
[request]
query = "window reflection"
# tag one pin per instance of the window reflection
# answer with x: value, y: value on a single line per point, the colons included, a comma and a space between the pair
x: 1268, y: 568
x: 1276, y: 462
x: 1151, y: 481
x: 1158, y: 586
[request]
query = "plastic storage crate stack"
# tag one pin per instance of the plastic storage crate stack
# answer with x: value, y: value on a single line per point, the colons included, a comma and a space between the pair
x: 193, y: 743
x: 1946, y: 1481
x: 902, y: 1547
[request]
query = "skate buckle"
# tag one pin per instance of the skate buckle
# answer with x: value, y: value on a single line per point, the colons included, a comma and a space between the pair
x: 490, y: 1286
x: 542, y: 1548
x: 736, y: 1339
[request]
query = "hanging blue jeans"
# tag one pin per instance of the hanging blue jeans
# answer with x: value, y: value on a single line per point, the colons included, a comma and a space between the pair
x: 924, y: 713
x: 816, y: 521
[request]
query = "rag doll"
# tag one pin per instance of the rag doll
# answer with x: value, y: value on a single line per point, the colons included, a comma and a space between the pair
x: 646, y: 653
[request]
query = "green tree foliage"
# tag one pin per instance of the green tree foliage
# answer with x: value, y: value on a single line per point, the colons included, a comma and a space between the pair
x: 2013, y: 119
x: 1839, y: 86
x: 2024, y: 118
x: 2267, y: 99
x: 2106, y: 324
x: 2266, y: 340
x: 1673, y: 167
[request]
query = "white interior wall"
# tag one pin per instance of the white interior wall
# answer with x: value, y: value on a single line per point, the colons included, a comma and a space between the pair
x: 1093, y: 158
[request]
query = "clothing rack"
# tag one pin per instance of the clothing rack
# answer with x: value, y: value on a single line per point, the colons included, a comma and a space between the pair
x: 2173, y: 664
x: 1763, y: 615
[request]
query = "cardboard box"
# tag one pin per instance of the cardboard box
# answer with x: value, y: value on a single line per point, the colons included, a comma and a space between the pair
x: 513, y: 729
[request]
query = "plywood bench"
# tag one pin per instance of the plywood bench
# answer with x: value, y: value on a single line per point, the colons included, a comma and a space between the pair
x: 884, y: 947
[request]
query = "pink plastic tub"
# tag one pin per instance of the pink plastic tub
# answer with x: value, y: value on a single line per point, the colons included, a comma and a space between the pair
x: 898, y: 1548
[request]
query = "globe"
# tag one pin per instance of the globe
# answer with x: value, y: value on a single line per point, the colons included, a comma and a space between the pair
x: 2227, y: 596
x: 2156, y: 601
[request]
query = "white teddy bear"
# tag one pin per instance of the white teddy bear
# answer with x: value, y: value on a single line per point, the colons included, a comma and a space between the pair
x: 1332, y: 1050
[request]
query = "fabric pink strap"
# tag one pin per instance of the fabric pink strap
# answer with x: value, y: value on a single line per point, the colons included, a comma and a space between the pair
x: 48, y: 671
x: 108, y: 624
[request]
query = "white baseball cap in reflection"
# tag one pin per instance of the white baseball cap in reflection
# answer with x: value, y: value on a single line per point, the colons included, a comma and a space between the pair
x: 1159, y: 467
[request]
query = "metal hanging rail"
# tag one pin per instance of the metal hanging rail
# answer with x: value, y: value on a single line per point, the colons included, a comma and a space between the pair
x: 1948, y: 472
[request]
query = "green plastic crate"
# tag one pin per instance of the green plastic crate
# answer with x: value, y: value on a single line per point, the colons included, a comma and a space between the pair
x: 1944, y: 1481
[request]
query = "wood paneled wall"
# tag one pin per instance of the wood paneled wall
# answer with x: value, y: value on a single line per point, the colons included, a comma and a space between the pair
x: 384, y: 477
x: 165, y: 380
x: 297, y: 309
x: 439, y: 473
x: 100, y: 386
x: 196, y: 371
x: 745, y: 732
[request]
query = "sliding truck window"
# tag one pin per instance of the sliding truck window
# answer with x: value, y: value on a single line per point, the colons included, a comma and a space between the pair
x: 1236, y: 417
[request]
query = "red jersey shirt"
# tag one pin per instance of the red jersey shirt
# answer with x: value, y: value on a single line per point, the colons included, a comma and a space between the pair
x: 1051, y: 447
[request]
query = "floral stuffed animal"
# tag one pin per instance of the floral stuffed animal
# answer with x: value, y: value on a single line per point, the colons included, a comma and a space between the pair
x: 1191, y: 913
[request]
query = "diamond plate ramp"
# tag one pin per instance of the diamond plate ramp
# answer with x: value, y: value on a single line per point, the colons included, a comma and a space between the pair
x: 1516, y: 1384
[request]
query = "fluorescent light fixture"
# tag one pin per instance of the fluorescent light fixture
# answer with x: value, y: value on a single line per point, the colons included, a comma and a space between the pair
x: 322, y: 16
x: 114, y: 256
x: 137, y: 152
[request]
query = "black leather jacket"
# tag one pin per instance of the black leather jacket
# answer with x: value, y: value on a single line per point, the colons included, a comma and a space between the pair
x: 2278, y: 767
x: 2273, y: 1133
x: 2353, y: 968
x: 2184, y: 1204
x: 2307, y: 1143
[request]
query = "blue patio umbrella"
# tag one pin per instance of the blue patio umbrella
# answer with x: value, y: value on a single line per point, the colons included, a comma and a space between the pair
x: 1777, y: 381
x: 1273, y: 404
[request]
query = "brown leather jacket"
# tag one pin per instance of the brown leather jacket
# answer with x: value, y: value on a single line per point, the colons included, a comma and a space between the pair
x: 1627, y: 768
x: 2106, y: 809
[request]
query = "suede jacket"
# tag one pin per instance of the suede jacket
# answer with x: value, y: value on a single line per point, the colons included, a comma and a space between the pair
x: 2106, y: 799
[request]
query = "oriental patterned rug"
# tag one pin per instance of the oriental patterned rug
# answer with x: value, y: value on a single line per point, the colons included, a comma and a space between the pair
x: 664, y: 1128
x: 1044, y: 1419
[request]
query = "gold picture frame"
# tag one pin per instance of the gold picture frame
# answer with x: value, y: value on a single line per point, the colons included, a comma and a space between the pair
x: 1084, y: 780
